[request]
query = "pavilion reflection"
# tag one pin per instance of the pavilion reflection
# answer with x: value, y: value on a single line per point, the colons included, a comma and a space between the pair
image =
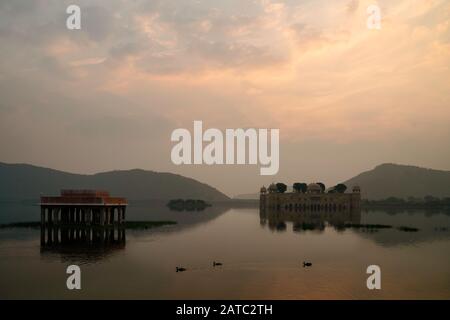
x: 81, y: 244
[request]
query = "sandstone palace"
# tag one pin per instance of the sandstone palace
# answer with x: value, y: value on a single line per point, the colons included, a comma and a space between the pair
x: 310, y: 198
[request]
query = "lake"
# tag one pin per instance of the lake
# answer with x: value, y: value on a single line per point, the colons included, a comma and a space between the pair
x: 262, y: 257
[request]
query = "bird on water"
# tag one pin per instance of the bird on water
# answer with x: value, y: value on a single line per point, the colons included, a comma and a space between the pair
x: 179, y: 269
x: 216, y: 263
x: 307, y: 264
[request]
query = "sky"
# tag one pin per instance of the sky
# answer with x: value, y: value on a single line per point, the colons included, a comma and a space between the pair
x: 345, y: 98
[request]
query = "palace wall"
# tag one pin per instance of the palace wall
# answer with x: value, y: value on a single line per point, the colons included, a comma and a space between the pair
x: 307, y: 202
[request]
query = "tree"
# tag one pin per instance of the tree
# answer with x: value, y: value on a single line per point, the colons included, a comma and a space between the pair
x: 340, y: 188
x: 430, y: 199
x: 446, y: 201
x: 394, y: 200
x: 322, y: 186
x: 281, y: 187
x: 413, y: 200
x: 300, y: 187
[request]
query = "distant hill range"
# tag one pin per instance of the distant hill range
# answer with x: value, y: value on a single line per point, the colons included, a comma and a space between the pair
x: 401, y: 181
x: 395, y: 180
x: 247, y: 196
x: 27, y: 182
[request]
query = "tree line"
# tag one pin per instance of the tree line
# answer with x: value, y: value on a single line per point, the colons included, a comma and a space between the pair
x: 301, y: 187
x: 427, y: 201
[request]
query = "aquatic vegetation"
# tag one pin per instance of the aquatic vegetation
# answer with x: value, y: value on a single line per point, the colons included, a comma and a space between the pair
x: 407, y: 229
x: 376, y: 227
x: 30, y: 225
x: 128, y: 225
x: 147, y: 224
x: 367, y: 226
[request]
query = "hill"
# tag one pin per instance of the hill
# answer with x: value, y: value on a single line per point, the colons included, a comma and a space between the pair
x: 402, y: 181
x: 24, y: 182
x: 247, y: 196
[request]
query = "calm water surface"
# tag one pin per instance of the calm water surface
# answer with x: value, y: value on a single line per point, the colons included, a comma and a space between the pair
x: 261, y: 256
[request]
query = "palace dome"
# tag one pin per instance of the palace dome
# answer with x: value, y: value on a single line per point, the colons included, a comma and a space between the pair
x: 314, y: 188
x: 273, y: 188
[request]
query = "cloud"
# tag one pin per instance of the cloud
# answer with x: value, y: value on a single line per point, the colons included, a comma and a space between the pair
x: 98, y: 22
x: 138, y: 69
x: 352, y: 6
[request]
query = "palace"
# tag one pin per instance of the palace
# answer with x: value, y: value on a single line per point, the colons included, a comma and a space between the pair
x: 314, y: 199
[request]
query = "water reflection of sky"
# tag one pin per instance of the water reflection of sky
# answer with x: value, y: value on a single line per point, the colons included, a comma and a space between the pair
x: 260, y: 262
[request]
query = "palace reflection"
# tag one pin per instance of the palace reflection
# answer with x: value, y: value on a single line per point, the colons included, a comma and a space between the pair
x: 276, y: 220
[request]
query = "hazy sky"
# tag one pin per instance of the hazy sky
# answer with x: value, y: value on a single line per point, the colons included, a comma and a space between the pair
x: 345, y: 98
